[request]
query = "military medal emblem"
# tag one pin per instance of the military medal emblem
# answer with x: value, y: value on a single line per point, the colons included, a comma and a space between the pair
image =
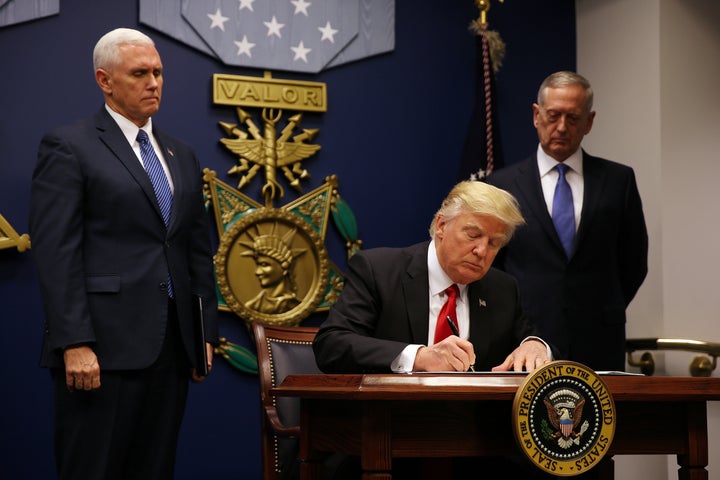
x: 564, y: 418
x: 271, y: 264
x: 272, y: 267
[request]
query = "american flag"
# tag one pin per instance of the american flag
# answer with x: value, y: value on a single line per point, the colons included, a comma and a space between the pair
x: 483, y: 151
x: 290, y: 35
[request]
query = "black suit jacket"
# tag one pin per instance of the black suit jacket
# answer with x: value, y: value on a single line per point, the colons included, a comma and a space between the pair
x: 103, y: 252
x: 384, y: 306
x: 579, y: 303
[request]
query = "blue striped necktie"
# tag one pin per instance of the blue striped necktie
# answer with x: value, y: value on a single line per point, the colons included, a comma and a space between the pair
x: 160, y: 184
x: 155, y: 171
x: 563, y: 210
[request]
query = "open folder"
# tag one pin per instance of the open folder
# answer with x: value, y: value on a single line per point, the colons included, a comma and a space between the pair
x: 201, y: 360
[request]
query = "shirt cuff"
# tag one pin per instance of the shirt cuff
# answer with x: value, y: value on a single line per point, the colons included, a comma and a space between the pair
x: 404, y: 362
x: 549, y: 351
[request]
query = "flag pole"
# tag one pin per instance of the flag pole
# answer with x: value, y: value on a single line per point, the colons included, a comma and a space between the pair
x: 493, y: 49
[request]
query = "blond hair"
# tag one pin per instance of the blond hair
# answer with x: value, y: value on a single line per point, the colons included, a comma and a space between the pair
x: 482, y: 199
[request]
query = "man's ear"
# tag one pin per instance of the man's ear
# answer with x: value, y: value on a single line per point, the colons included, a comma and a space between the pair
x: 103, y: 80
x: 440, y: 225
x: 536, y: 114
x: 591, y: 118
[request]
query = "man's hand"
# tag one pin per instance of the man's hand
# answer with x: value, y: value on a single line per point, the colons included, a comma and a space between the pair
x: 82, y: 371
x: 530, y: 355
x: 453, y: 354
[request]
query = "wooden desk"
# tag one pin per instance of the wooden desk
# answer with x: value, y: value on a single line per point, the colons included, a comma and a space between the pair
x: 379, y: 417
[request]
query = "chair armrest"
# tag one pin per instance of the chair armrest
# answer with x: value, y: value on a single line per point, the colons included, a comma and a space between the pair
x: 277, y: 426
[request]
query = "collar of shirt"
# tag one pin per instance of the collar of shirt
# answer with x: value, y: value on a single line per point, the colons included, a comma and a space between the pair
x: 130, y: 131
x: 546, y: 163
x: 438, y: 282
x: 574, y: 177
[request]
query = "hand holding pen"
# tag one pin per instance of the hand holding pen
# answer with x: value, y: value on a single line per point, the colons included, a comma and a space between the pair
x: 454, y: 330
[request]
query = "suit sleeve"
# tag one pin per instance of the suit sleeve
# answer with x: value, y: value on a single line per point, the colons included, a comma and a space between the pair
x: 56, y: 226
x: 634, y: 243
x: 346, y: 341
x: 201, y: 263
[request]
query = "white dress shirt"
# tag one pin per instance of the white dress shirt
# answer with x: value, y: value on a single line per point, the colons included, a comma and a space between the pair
x: 574, y: 176
x: 130, y: 130
x: 438, y: 283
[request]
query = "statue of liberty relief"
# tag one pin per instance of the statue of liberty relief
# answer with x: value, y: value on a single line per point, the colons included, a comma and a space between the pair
x: 274, y: 260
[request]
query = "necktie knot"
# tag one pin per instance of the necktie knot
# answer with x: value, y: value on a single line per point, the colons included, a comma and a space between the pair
x: 452, y: 292
x: 142, y: 138
x: 561, y: 168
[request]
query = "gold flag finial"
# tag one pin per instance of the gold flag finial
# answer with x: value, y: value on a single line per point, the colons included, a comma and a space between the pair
x: 484, y: 7
x: 495, y: 44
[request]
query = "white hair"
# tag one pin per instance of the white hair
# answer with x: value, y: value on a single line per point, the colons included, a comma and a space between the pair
x: 106, y: 54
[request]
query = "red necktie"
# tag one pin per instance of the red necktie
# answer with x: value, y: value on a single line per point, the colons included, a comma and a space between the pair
x: 442, y: 329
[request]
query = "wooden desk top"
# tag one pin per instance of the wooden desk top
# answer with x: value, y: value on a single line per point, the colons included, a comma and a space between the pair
x: 484, y: 386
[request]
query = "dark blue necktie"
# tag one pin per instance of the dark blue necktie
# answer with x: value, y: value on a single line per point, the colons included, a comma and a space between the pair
x: 157, y: 176
x: 563, y: 211
x: 160, y: 184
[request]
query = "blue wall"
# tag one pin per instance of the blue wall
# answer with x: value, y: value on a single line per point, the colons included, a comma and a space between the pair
x: 393, y: 134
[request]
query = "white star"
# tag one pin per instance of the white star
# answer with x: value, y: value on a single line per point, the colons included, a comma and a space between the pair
x: 274, y: 27
x: 244, y: 47
x: 301, y: 52
x: 328, y: 33
x: 246, y: 4
x: 301, y: 6
x: 217, y: 20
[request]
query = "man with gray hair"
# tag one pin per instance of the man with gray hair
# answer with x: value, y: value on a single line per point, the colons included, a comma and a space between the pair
x: 583, y: 254
x: 121, y: 241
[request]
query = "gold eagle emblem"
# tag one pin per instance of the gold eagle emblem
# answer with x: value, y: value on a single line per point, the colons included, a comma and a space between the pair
x: 268, y: 151
x: 564, y: 410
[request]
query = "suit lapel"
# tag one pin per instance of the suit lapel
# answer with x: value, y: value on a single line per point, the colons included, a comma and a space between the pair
x: 594, y: 179
x: 415, y: 293
x: 111, y: 135
x: 528, y: 182
x: 480, y: 322
x: 170, y: 154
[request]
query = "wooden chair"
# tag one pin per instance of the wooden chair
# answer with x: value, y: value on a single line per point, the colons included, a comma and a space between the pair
x: 281, y: 351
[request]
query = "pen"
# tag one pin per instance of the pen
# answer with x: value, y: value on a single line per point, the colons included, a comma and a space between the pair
x: 454, y: 330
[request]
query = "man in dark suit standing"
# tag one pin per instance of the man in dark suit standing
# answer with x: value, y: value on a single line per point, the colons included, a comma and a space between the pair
x: 582, y: 255
x: 393, y: 307
x: 122, y: 246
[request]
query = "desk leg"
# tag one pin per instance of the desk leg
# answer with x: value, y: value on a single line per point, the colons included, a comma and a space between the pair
x: 692, y: 465
x: 376, y: 446
x: 311, y: 465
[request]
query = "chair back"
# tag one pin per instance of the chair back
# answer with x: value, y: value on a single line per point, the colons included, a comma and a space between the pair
x: 281, y: 351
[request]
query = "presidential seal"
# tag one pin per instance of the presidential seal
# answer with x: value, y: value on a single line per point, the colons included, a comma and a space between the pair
x: 564, y: 418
